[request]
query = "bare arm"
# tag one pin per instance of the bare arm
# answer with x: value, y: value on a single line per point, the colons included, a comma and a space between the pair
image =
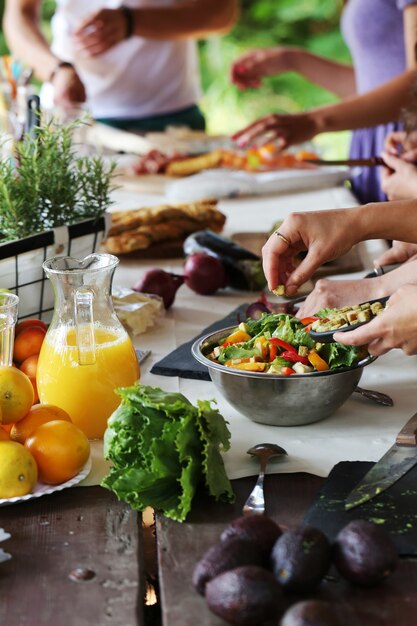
x: 378, y: 106
x: 190, y: 18
x: 21, y: 26
x: 383, y: 104
x: 339, y: 78
x: 326, y: 235
x: 248, y: 69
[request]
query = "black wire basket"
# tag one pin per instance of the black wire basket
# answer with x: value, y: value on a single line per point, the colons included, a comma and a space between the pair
x: 21, y: 262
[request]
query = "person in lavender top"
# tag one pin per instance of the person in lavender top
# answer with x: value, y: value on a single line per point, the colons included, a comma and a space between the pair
x: 382, y: 37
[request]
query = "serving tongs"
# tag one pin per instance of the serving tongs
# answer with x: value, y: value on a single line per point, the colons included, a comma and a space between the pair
x: 326, y: 336
x: 369, y: 162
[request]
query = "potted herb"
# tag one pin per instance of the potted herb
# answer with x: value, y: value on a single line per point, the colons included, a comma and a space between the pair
x: 52, y: 201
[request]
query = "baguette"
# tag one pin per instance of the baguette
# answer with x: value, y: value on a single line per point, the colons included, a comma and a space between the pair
x: 141, y: 228
x: 186, y: 167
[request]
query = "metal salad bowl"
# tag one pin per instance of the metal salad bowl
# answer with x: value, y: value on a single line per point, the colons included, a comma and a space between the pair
x: 279, y: 400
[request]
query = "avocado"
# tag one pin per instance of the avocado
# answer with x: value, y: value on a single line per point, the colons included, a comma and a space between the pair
x: 245, y: 596
x: 224, y: 556
x: 315, y: 613
x: 259, y: 529
x: 300, y: 558
x: 364, y: 553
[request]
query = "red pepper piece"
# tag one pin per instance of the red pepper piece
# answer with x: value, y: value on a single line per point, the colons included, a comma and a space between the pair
x: 309, y: 320
x: 273, y: 349
x: 287, y: 371
x: 282, y: 344
x: 295, y: 357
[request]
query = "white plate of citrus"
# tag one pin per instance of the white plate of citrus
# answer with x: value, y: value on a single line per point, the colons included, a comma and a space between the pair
x: 41, y: 489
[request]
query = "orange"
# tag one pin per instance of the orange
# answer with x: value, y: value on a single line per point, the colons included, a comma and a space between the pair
x: 16, y: 394
x: 35, y: 389
x: 18, y: 471
x: 38, y: 414
x: 60, y: 450
x: 30, y: 365
x: 28, y: 341
x: 29, y: 324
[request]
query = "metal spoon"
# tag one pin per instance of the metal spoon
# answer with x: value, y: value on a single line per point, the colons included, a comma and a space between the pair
x: 376, y: 396
x: 255, y: 504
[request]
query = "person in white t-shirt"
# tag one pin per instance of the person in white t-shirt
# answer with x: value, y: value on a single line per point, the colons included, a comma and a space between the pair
x: 134, y: 64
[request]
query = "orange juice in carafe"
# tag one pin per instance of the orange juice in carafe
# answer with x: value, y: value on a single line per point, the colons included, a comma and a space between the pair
x: 86, y: 353
x: 86, y: 392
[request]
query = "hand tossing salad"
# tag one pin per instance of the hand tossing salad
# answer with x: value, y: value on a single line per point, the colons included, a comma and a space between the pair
x: 280, y: 344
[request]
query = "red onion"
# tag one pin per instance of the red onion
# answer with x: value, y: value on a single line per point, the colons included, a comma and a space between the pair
x: 204, y: 274
x: 256, y: 310
x: 161, y: 283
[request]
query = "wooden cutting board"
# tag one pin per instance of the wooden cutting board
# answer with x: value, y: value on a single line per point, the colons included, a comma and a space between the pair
x: 395, y: 509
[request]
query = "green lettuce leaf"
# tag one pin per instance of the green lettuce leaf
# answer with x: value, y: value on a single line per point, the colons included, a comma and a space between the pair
x: 162, y: 447
x: 339, y: 355
x: 236, y: 351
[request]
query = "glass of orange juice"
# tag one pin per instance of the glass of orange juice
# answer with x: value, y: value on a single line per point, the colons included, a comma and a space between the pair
x: 86, y: 353
x: 8, y: 318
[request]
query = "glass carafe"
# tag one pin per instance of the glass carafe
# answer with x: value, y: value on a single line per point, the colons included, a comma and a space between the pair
x: 86, y: 353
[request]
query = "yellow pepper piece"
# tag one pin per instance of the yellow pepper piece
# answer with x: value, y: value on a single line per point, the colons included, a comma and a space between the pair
x: 262, y: 346
x: 251, y: 367
x: 317, y: 362
x: 237, y: 337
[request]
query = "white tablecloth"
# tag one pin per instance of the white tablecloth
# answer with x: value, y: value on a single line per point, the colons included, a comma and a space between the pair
x: 360, y: 430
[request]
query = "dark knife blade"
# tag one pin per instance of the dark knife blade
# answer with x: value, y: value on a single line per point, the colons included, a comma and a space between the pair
x: 370, y: 162
x: 396, y: 462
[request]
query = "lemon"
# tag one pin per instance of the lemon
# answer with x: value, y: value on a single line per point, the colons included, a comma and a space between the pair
x: 18, y: 470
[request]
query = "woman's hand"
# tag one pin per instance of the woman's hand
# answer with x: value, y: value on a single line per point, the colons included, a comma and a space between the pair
x: 249, y: 69
x: 399, y: 179
x: 286, y: 130
x: 400, y: 252
x: 100, y: 31
x: 396, y: 327
x: 325, y: 235
x: 338, y: 293
x: 68, y: 88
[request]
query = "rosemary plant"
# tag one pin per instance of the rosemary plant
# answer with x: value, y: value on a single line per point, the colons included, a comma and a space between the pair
x: 47, y: 184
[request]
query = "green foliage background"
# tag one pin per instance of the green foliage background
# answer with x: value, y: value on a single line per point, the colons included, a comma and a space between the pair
x: 313, y: 24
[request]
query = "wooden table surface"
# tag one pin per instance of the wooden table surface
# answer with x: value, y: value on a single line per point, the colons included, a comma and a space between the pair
x: 78, y: 560
x: 393, y: 603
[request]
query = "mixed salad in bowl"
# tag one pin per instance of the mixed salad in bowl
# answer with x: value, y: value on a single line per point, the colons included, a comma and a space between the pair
x: 279, y: 344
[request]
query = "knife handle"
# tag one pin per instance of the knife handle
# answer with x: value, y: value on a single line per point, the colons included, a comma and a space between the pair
x: 408, y: 433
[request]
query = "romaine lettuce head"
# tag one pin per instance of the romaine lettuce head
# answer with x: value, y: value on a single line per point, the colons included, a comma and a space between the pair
x: 162, y: 447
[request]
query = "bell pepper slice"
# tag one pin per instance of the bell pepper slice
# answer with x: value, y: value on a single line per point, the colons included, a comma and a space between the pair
x: 250, y: 367
x: 309, y: 320
x: 287, y: 371
x: 317, y: 362
x: 282, y: 344
x: 293, y: 356
x: 261, y: 345
x: 237, y: 337
x: 273, y: 349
